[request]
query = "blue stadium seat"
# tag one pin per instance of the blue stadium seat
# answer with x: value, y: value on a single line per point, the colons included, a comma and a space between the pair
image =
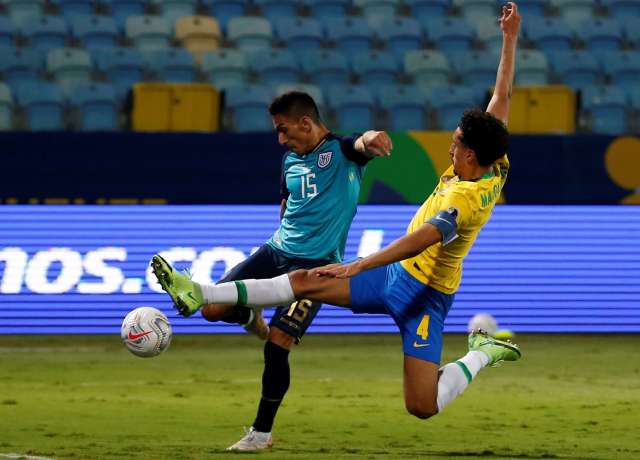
x: 549, y: 33
x: 326, y: 68
x: 225, y: 68
x: 97, y: 105
x: 45, y: 32
x: 19, y: 10
x: 352, y: 35
x: 622, y: 9
x: 406, y: 107
x: 249, y: 106
x: 149, y: 32
x: 376, y: 69
x: 427, y: 68
x: 6, y: 107
x: 300, y: 34
x: 428, y: 10
x: 622, y: 67
x: 122, y: 66
x: 449, y: 103
x: 476, y: 68
x: 20, y: 65
x: 488, y: 33
x: 275, y: 67
x: 601, y: 34
x: 474, y: 9
x: 121, y: 10
x: 277, y: 9
x: 172, y: 65
x: 326, y: 9
x: 7, y: 32
x: 43, y: 103
x: 312, y: 90
x: 250, y: 32
x: 450, y: 34
x: 401, y: 35
x: 225, y: 10
x: 95, y: 32
x: 575, y: 68
x: 69, y: 66
x: 532, y: 8
x: 532, y: 68
x: 575, y: 11
x: 72, y: 8
x: 631, y: 31
x: 607, y: 108
x: 377, y: 8
x: 353, y: 107
x: 171, y: 10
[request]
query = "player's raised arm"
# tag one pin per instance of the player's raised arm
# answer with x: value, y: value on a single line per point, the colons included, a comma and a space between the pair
x: 510, y: 26
x: 374, y: 144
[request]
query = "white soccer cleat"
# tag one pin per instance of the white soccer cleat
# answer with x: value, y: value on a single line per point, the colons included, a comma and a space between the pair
x: 253, y: 440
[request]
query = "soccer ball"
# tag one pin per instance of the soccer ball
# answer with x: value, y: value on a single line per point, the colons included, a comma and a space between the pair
x: 483, y: 321
x: 146, y: 332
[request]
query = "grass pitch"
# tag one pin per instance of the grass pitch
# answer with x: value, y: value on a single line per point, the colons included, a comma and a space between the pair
x: 571, y: 397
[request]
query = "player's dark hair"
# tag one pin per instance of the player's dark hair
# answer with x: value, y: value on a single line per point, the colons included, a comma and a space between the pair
x: 485, y: 135
x: 295, y: 104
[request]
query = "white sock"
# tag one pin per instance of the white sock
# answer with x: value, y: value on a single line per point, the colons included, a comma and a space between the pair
x: 456, y: 376
x: 257, y: 293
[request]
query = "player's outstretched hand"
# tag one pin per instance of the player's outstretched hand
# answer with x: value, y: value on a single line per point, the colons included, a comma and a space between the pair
x: 510, y: 20
x: 377, y: 143
x: 339, y: 270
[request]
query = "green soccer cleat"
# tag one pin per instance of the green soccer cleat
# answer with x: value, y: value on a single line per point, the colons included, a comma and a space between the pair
x: 186, y: 294
x: 497, y: 350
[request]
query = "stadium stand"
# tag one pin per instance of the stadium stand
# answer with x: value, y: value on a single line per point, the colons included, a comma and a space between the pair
x: 353, y: 107
x: 172, y: 10
x: 622, y: 9
x: 20, y: 65
x: 351, y: 35
x: 473, y: 9
x: 97, y: 107
x: 449, y: 102
x: 376, y: 69
x: 606, y: 106
x: 427, y: 10
x: 372, y: 9
x: 72, y: 8
x: 122, y: 67
x: 248, y: 106
x: 198, y: 34
x: 6, y: 108
x: 476, y: 68
x: 69, y: 66
x: 277, y: 9
x: 427, y: 68
x: 406, y: 107
x: 300, y: 35
x: 574, y: 11
x: 226, y: 68
x: 450, y: 34
x: 250, y: 32
x: 149, y: 32
x: 121, y: 10
x: 19, y: 10
x: 532, y: 68
x: 621, y: 67
x: 225, y: 10
x: 326, y: 68
x: 44, y: 32
x: 171, y: 65
x: 549, y: 34
x: 326, y: 9
x: 43, y: 104
x: 95, y: 32
x: 577, y: 68
x: 274, y: 67
x: 7, y: 32
x: 600, y: 34
x: 487, y: 33
x: 400, y: 35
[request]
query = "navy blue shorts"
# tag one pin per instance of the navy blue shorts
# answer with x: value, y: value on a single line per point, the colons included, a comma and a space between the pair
x: 267, y: 262
x: 417, y: 309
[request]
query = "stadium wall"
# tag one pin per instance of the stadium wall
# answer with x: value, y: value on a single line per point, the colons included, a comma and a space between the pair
x: 80, y: 269
x: 223, y: 168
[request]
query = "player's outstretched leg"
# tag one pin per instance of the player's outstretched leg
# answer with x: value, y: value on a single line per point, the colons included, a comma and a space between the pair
x: 186, y: 294
x: 253, y: 440
x: 497, y: 350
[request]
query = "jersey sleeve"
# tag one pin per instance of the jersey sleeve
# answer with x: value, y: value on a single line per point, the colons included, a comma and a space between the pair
x: 460, y: 202
x: 284, y: 191
x: 347, y: 145
x: 503, y: 168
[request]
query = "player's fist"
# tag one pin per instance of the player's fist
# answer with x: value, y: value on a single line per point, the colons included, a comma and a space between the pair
x: 376, y: 143
x: 510, y: 20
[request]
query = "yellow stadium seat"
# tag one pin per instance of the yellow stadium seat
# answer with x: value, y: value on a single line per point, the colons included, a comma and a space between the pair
x: 198, y: 34
x: 543, y: 110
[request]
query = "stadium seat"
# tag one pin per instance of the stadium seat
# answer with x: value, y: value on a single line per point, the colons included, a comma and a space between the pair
x: 6, y: 107
x: 73, y: 8
x: 95, y: 32
x: 198, y: 34
x: 7, y: 32
x: 607, y: 109
x: 400, y: 35
x: 149, y: 32
x: 352, y: 35
x: 428, y: 10
x: 376, y: 69
x: 122, y: 66
x: 372, y: 9
x: 275, y: 66
x: 474, y: 9
x: 575, y: 11
x: 476, y: 68
x: 450, y: 34
x: 631, y: 31
x: 622, y: 67
x: 600, y: 34
x: 172, y: 65
x: 69, y: 66
x: 549, y: 33
x: 121, y: 10
x: 249, y: 106
x: 250, y: 32
x: 449, y: 103
x: 300, y: 34
x: 326, y: 9
x: 19, y: 10
x: 20, y: 65
x: 277, y: 9
x: 225, y: 68
x: 427, y: 68
x: 45, y: 32
x: 97, y: 106
x: 622, y: 9
x: 488, y: 33
x: 633, y: 95
x: 171, y: 10
x: 326, y: 68
x: 532, y: 68
x: 532, y: 8
x: 406, y: 107
x: 43, y: 104
x: 312, y: 90
x: 225, y: 10
x: 353, y: 107
x: 575, y: 68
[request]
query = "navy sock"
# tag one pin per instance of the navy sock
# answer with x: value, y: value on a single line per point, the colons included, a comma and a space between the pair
x: 275, y: 383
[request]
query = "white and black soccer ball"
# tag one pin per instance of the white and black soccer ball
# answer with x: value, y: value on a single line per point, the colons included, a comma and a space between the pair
x: 483, y: 321
x: 146, y: 332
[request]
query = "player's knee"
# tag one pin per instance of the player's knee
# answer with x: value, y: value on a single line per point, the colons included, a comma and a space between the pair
x: 421, y: 410
x: 300, y: 282
x: 214, y: 312
x: 280, y: 338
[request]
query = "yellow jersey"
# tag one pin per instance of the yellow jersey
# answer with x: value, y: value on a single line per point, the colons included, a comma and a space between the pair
x: 440, y: 266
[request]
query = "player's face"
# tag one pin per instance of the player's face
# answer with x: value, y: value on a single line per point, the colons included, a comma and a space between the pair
x: 293, y: 134
x: 459, y: 152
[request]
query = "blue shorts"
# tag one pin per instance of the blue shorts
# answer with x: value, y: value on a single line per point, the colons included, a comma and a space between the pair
x: 417, y: 309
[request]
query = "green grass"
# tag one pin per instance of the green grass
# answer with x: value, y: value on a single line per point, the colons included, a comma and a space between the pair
x: 573, y: 397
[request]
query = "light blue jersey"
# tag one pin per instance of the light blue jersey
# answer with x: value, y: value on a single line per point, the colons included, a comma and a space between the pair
x: 322, y: 190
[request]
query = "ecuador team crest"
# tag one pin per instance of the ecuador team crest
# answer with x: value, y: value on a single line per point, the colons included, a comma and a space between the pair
x: 324, y: 159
